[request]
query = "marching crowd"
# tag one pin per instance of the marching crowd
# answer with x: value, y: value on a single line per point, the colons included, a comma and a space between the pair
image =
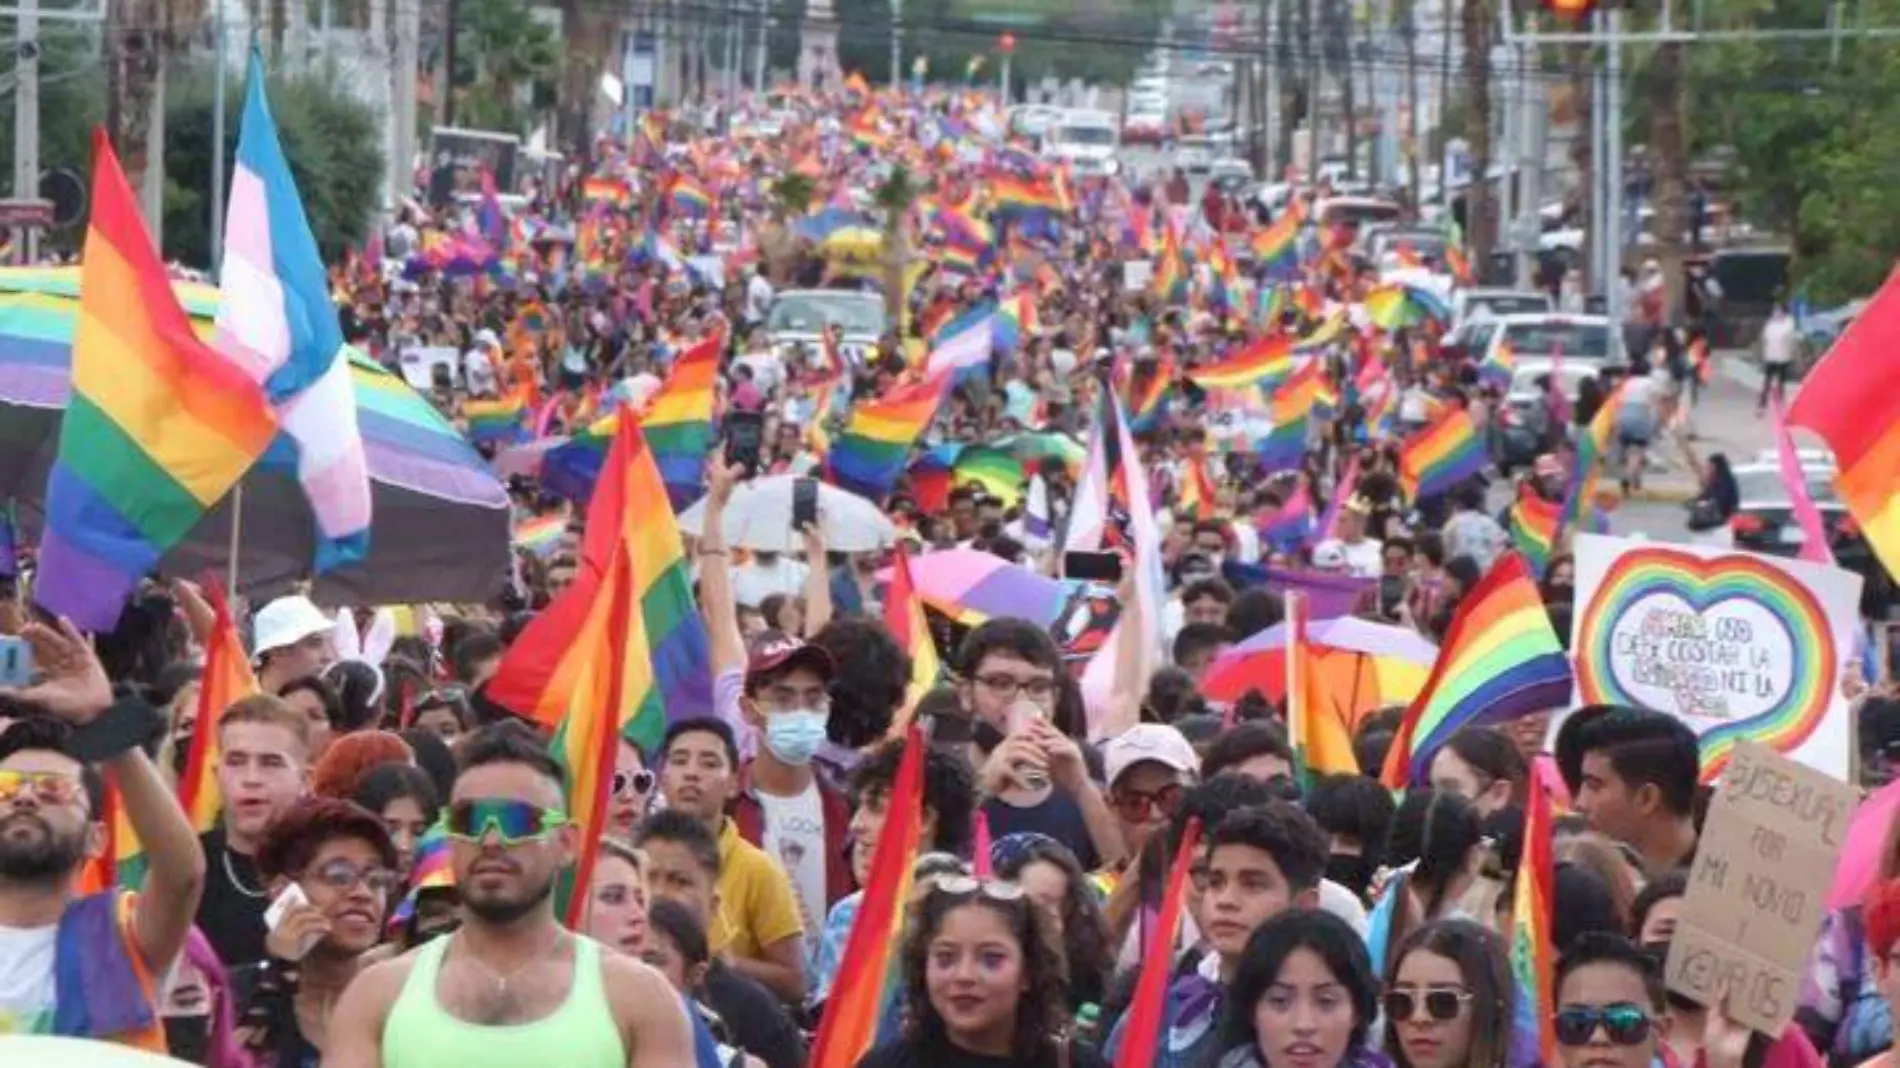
x: 371, y: 861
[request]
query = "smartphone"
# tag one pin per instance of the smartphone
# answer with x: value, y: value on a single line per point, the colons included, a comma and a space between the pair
x: 804, y: 503
x: 745, y: 438
x: 1021, y: 714
x: 292, y: 896
x: 1092, y: 567
x: 16, y: 662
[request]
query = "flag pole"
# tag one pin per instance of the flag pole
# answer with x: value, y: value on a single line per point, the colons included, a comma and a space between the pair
x: 237, y: 527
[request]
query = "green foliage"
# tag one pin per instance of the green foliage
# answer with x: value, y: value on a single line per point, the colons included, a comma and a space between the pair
x: 503, y: 54
x: 793, y: 194
x: 334, y: 145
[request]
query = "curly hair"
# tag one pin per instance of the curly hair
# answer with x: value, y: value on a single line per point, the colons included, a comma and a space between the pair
x: 949, y: 790
x: 1085, y: 938
x: 873, y: 671
x: 294, y: 837
x: 1042, y: 1013
x: 341, y: 768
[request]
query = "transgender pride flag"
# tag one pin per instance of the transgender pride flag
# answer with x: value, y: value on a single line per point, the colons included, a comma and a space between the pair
x: 276, y: 321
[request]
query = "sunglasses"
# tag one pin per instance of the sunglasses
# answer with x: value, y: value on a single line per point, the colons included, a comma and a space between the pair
x: 342, y: 875
x: 1625, y: 1023
x: 639, y: 782
x: 1440, y: 1005
x: 957, y: 884
x: 513, y: 822
x: 1138, y: 805
x: 47, y: 787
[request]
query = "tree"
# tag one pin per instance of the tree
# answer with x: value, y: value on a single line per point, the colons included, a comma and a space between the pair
x: 333, y: 143
x: 1480, y: 218
x: 894, y: 198
x: 502, y: 49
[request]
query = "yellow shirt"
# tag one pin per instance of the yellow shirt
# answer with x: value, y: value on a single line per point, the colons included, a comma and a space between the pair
x: 756, y: 905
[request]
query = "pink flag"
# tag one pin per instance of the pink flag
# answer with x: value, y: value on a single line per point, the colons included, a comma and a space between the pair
x: 1559, y: 404
x: 1341, y: 494
x: 980, y: 844
x: 1814, y: 544
x: 1859, y: 865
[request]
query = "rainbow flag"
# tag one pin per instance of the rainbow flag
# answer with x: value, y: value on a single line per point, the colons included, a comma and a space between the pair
x: 1321, y: 744
x: 678, y: 421
x: 122, y: 862
x: 497, y: 422
x: 1261, y: 362
x: 1149, y: 403
x: 606, y: 191
x: 995, y: 468
x: 904, y: 615
x: 159, y: 427
x: 1196, y: 500
x: 1534, y: 527
x: 1533, y: 958
x: 1016, y: 320
x: 227, y: 678
x: 1276, y: 247
x: 1288, y: 526
x: 1498, y: 367
x: 1011, y: 195
x: 869, y: 454
x: 547, y: 669
x: 1500, y: 660
x: 870, y: 969
x: 1397, y: 305
x: 1440, y: 456
x: 1593, y: 447
x: 1148, y: 1009
x: 1849, y: 400
x: 1171, y: 269
x: 540, y: 534
x: 429, y: 870
x: 690, y: 199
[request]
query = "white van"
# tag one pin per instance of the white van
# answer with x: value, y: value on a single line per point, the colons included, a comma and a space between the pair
x: 1088, y: 140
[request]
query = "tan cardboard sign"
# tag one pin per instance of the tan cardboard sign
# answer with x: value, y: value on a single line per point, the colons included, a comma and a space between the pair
x: 1758, y: 887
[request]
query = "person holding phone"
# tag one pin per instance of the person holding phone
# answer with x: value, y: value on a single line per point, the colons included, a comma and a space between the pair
x: 332, y: 870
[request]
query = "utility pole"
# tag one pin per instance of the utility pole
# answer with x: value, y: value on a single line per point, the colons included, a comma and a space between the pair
x: 26, y: 120
x: 1613, y: 137
x: 1272, y: 165
x: 219, y: 74
x: 1537, y: 137
x: 758, y: 56
x: 407, y: 16
x: 897, y: 43
x: 448, y: 60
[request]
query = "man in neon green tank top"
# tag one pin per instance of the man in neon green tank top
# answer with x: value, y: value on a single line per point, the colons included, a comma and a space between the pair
x: 512, y: 987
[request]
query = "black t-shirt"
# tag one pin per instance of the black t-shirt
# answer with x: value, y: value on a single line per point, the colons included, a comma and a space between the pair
x: 231, y: 913
x: 911, y: 1053
x: 1057, y: 816
x: 756, y: 1021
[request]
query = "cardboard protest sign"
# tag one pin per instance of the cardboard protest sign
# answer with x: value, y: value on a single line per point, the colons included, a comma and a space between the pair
x: 1758, y: 887
x: 1741, y: 647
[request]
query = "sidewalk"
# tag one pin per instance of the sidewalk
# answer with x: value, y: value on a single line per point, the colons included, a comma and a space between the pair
x: 1723, y: 421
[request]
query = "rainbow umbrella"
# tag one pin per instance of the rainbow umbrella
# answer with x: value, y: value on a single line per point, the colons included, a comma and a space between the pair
x: 441, y: 524
x: 1360, y: 666
x: 1033, y: 448
x: 970, y: 586
x: 992, y: 467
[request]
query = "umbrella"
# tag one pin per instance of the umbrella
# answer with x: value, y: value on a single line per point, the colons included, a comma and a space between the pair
x: 1863, y: 853
x: 970, y: 586
x: 440, y: 528
x: 1033, y: 447
x: 1358, y: 664
x: 759, y: 516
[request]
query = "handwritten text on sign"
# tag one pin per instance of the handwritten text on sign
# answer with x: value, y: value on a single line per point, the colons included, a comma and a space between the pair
x: 1758, y: 887
x: 1729, y: 661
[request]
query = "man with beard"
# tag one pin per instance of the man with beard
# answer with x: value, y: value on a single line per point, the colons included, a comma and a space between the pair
x: 511, y: 986
x: 84, y: 966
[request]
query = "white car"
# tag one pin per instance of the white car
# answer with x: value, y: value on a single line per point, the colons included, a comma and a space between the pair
x: 1194, y: 155
x: 1474, y: 300
x: 799, y: 317
x: 1087, y: 140
x: 1585, y: 338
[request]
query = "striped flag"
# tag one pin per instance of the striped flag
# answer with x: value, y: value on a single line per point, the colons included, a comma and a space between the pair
x: 904, y: 615
x: 227, y: 678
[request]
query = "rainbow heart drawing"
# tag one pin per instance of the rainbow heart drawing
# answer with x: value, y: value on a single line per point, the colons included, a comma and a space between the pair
x: 1737, y: 647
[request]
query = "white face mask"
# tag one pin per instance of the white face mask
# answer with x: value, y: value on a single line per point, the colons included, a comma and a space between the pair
x: 794, y: 736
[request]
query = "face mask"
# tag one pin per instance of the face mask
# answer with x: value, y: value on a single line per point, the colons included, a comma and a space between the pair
x: 794, y: 737
x: 187, y: 1037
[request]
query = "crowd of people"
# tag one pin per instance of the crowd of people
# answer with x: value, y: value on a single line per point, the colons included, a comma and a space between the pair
x: 371, y: 861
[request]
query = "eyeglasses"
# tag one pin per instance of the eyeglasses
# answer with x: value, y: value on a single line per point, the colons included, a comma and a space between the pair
x: 1441, y: 1005
x: 638, y: 782
x: 1625, y: 1023
x: 1136, y: 806
x: 47, y: 787
x: 1007, y: 687
x: 342, y: 875
x: 514, y: 822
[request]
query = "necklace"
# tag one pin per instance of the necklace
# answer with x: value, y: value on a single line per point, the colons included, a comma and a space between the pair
x: 501, y: 979
x: 231, y: 874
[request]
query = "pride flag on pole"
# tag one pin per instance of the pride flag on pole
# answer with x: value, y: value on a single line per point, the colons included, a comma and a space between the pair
x: 904, y: 615
x: 227, y: 678
x: 275, y: 319
x: 159, y: 427
x: 1533, y: 959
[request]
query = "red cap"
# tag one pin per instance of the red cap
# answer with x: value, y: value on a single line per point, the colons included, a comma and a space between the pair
x: 775, y: 650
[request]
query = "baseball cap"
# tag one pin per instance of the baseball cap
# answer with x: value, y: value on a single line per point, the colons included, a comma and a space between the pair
x: 285, y: 622
x: 1155, y: 742
x: 775, y: 651
x: 1329, y: 557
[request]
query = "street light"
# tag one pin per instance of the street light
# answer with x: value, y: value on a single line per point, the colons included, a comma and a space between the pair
x: 1571, y: 10
x: 1005, y: 44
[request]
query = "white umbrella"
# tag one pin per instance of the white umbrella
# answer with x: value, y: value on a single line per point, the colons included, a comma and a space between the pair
x: 40, y: 1050
x: 759, y: 516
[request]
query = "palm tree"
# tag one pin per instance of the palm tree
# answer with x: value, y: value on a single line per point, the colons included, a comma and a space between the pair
x: 894, y: 198
x: 502, y: 47
x: 1668, y: 152
x: 778, y: 250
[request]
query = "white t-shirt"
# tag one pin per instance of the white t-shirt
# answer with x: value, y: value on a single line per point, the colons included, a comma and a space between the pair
x: 478, y: 370
x: 768, y: 371
x: 753, y: 582
x: 1777, y: 340
x: 1363, y: 557
x: 758, y: 298
x: 794, y: 835
x: 27, y: 990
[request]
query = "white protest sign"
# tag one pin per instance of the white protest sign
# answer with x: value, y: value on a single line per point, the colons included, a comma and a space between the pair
x: 1740, y: 646
x: 1136, y: 274
x: 1758, y: 888
x: 418, y: 363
